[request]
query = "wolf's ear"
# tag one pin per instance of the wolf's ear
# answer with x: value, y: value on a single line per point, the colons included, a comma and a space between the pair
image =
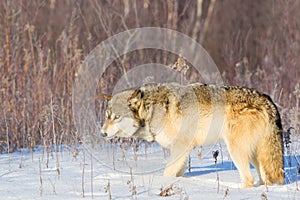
x: 137, y: 94
x: 134, y: 101
x: 107, y: 97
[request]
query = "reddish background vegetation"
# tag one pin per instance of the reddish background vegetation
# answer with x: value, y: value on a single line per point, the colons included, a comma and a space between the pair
x: 254, y: 44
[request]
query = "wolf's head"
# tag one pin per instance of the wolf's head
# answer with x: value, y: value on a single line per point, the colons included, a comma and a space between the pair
x: 125, y: 116
x: 118, y: 117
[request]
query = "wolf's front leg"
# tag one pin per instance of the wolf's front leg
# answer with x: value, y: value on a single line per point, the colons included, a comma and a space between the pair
x: 177, y: 162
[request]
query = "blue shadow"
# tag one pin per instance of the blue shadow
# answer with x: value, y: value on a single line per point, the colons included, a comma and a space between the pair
x: 198, y: 171
x: 291, y: 169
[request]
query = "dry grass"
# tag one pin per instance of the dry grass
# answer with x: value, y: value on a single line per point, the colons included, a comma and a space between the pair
x: 44, y: 43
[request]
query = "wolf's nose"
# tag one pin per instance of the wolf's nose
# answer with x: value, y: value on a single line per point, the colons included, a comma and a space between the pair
x: 103, y: 134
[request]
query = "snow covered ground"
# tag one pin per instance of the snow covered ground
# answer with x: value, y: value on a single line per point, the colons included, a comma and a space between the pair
x: 26, y: 176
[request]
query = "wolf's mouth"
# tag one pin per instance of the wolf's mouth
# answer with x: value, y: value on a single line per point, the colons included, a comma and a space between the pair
x: 116, y: 135
x: 110, y: 137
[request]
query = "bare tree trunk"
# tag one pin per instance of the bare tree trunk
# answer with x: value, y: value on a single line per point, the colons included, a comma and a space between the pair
x: 203, y: 17
x: 7, y: 16
x: 197, y: 27
x: 207, y: 20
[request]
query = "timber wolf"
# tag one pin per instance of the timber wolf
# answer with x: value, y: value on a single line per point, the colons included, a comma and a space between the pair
x: 182, y: 117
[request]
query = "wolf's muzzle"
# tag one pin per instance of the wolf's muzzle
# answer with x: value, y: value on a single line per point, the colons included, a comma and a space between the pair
x: 103, y: 133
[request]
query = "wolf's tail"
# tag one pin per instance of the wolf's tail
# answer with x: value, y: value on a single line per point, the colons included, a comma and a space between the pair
x: 271, y: 149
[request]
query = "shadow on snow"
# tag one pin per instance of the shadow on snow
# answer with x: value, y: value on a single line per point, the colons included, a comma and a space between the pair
x: 291, y: 169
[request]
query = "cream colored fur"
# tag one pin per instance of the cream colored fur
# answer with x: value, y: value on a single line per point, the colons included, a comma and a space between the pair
x: 182, y: 117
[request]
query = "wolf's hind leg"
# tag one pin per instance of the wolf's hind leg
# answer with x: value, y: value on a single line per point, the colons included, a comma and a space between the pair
x: 240, y: 158
x: 255, y: 163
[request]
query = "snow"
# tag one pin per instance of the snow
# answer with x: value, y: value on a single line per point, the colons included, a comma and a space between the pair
x: 21, y: 174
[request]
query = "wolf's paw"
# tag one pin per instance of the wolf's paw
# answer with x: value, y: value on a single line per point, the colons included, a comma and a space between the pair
x: 248, y: 182
x: 246, y: 185
x: 267, y: 182
x: 258, y: 183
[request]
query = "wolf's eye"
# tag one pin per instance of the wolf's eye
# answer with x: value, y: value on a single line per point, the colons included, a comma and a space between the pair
x: 117, y: 117
x: 108, y: 114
